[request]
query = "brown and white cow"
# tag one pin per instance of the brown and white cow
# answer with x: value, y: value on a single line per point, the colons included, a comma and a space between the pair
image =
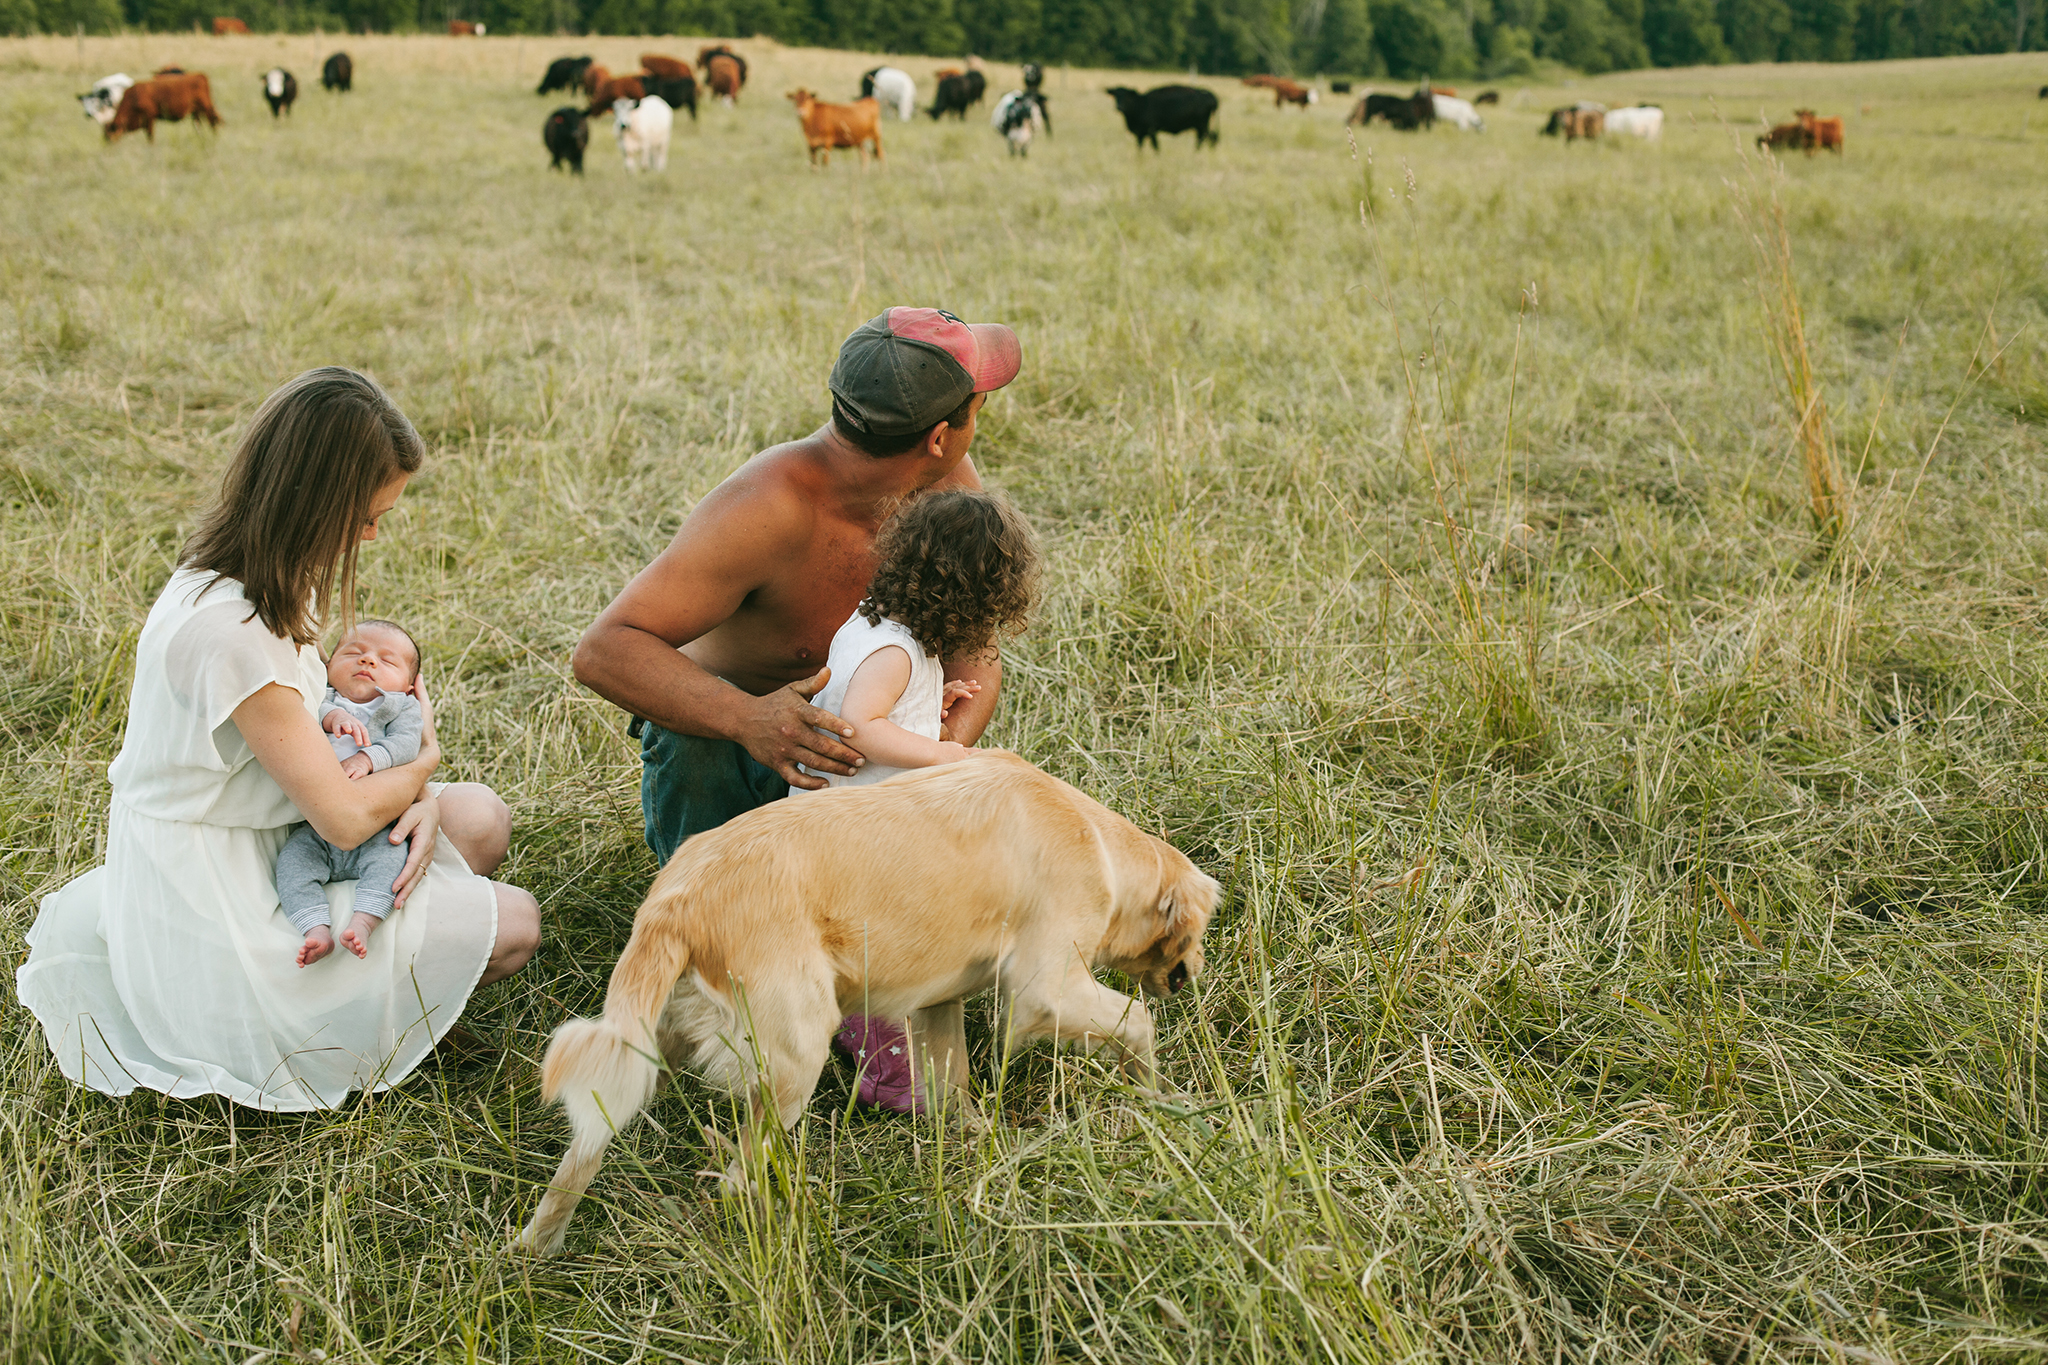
x: 725, y: 71
x: 1286, y: 92
x: 615, y: 88
x: 463, y: 28
x: 827, y: 126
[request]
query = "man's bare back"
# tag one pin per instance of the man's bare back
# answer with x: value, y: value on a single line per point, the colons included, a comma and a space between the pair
x: 724, y: 634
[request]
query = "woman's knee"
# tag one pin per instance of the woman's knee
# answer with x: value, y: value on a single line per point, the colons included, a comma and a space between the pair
x: 478, y: 823
x: 518, y: 926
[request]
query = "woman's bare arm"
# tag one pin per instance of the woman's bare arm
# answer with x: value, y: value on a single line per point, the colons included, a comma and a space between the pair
x: 292, y: 749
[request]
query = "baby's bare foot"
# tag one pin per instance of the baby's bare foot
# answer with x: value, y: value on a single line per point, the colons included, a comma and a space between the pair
x: 356, y: 938
x: 319, y: 943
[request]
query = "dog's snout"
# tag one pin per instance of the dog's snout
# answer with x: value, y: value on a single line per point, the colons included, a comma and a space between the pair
x: 1177, y: 978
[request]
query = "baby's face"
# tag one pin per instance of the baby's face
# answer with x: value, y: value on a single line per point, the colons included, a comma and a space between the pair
x: 371, y: 660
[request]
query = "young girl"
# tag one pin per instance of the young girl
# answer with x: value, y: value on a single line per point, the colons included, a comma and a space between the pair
x: 957, y: 572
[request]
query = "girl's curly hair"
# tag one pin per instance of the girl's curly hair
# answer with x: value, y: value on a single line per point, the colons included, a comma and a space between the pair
x: 958, y: 568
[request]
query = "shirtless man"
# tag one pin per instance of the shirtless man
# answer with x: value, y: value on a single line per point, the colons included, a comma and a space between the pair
x: 718, y: 644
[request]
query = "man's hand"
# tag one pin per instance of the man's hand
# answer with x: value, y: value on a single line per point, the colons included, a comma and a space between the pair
x: 779, y: 732
x: 357, y: 765
x: 340, y: 722
x: 957, y: 689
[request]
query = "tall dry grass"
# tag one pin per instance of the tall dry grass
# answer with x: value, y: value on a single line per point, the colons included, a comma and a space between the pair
x: 1696, y: 1016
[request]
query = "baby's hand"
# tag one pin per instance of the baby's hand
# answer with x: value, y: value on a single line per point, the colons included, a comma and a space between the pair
x: 959, y: 689
x: 340, y: 722
x: 357, y: 765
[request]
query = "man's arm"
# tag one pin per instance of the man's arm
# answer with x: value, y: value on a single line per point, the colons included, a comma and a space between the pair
x: 630, y: 654
x: 971, y: 715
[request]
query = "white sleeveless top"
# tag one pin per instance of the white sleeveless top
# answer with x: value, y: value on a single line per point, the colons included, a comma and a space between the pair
x: 917, y: 710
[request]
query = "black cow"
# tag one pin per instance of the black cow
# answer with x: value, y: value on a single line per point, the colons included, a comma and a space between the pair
x: 951, y: 99
x: 977, y: 86
x: 1407, y: 112
x: 338, y: 73
x: 1170, y: 109
x: 564, y: 73
x: 1034, y: 76
x: 566, y: 134
x: 1340, y: 87
x: 679, y: 91
x: 281, y: 89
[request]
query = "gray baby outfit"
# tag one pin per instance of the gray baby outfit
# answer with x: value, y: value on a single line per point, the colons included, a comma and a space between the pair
x: 308, y: 862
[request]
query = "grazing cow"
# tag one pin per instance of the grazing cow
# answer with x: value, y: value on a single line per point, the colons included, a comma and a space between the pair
x: 564, y: 73
x: 169, y: 98
x: 222, y: 27
x: 669, y: 68
x: 1487, y: 97
x: 678, y: 92
x: 1821, y: 133
x: 838, y: 125
x: 892, y: 89
x: 1645, y: 121
x: 951, y: 98
x: 338, y: 73
x: 1456, y: 112
x: 643, y: 130
x: 1575, y: 122
x: 1018, y: 116
x: 104, y: 98
x: 1287, y: 92
x: 1784, y: 135
x: 1406, y: 112
x: 725, y: 71
x: 1340, y: 87
x: 463, y: 28
x: 594, y: 75
x: 565, y: 135
x: 2044, y: 93
x: 616, y: 88
x: 1169, y: 109
x: 281, y: 90
x: 977, y: 84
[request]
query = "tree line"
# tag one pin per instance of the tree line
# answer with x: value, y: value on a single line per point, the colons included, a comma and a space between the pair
x: 1400, y: 39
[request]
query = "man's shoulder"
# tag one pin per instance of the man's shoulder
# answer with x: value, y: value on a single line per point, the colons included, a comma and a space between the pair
x: 774, y: 494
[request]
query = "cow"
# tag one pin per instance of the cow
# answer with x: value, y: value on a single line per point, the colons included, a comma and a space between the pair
x: 1287, y: 92
x: 170, y: 98
x: 1447, y: 91
x: 1487, y: 97
x: 1645, y: 121
x: 1821, y: 133
x: 670, y: 68
x: 1169, y: 109
x: 643, y: 129
x: 594, y: 75
x: 1034, y: 76
x: 892, y: 88
x: 463, y: 28
x: 1340, y: 87
x: 677, y: 92
x: 1406, y: 112
x: 281, y: 90
x: 565, y: 135
x: 1018, y: 116
x: 1456, y: 112
x: 614, y: 89
x: 223, y: 26
x: 104, y: 98
x: 1784, y: 135
x: 338, y: 73
x: 725, y: 71
x: 1576, y: 121
x: 2044, y: 93
x: 977, y: 84
x: 564, y: 73
x: 838, y: 125
x: 951, y: 98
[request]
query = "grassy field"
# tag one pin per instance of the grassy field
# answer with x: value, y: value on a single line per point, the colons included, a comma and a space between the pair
x: 1634, y: 942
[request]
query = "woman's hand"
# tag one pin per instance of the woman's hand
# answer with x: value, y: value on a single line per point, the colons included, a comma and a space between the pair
x: 421, y: 823
x: 419, y: 692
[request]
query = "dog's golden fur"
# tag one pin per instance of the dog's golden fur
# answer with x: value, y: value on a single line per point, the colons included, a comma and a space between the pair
x: 895, y: 900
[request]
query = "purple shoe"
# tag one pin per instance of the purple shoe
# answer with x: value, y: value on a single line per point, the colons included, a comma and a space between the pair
x: 882, y: 1050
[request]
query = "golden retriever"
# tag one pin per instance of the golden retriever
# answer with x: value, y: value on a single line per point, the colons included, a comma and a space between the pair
x: 895, y: 900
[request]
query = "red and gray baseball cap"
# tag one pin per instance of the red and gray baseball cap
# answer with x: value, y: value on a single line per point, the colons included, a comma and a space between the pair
x: 903, y: 372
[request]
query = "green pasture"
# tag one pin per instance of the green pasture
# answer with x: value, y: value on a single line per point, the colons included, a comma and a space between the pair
x: 1634, y: 942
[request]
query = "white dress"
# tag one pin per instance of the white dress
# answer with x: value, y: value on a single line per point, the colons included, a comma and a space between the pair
x: 920, y: 708
x: 171, y: 966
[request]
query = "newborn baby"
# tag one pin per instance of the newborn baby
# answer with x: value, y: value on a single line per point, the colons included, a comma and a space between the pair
x: 373, y: 721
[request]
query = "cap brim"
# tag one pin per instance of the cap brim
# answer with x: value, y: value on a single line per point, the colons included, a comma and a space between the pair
x: 997, y: 355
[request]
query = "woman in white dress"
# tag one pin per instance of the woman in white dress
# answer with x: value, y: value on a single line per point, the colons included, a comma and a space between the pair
x: 171, y: 966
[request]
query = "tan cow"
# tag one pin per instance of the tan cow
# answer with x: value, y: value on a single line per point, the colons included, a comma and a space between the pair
x: 668, y: 68
x: 827, y: 126
x: 169, y: 98
x: 223, y: 26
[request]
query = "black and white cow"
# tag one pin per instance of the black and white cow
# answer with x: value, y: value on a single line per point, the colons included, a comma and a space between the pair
x: 1018, y: 116
x: 281, y: 90
x: 104, y: 98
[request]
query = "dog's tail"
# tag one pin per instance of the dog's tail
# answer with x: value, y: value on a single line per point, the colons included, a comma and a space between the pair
x: 603, y: 1071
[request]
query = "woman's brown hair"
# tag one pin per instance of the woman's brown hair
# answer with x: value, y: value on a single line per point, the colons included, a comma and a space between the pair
x: 297, y: 495
x: 958, y: 568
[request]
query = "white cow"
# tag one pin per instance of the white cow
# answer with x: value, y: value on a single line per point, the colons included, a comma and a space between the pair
x: 104, y: 98
x: 892, y: 89
x: 1645, y: 121
x: 1018, y: 117
x: 643, y: 130
x: 1458, y: 113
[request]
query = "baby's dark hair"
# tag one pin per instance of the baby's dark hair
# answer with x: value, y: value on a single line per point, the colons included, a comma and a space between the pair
x: 377, y: 623
x: 958, y: 568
